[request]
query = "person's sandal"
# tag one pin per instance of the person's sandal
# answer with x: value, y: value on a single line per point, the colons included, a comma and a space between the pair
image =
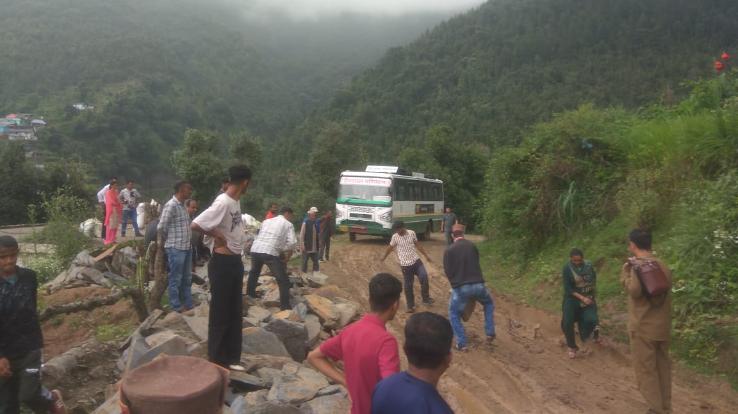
x: 57, y: 403
x: 572, y: 353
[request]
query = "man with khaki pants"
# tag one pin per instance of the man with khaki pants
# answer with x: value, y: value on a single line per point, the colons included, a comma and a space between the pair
x: 649, y: 327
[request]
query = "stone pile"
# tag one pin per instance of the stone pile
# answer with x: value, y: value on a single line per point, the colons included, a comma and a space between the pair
x: 118, y: 269
x: 274, y: 347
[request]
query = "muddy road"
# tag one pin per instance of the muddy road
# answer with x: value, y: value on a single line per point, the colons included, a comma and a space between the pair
x: 527, y: 370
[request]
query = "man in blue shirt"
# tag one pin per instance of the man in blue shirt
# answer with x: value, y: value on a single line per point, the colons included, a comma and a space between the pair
x: 428, y: 339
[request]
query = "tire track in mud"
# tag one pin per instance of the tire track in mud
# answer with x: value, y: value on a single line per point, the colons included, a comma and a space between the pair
x: 527, y: 370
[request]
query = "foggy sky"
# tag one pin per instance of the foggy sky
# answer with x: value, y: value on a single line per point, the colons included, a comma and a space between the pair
x: 314, y: 9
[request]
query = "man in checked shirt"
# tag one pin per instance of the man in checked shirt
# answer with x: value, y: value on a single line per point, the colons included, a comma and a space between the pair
x: 174, y: 228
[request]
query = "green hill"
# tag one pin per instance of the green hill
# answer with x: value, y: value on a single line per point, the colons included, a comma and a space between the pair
x: 152, y: 68
x: 485, y: 76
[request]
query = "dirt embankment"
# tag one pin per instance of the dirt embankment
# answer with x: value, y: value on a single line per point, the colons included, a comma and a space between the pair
x: 527, y: 371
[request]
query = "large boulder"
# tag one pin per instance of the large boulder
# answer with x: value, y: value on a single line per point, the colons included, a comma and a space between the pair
x: 312, y: 324
x: 125, y: 261
x: 347, y: 313
x: 317, y: 279
x: 291, y: 391
x: 324, y: 308
x: 328, y: 404
x: 260, y: 341
x: 258, y: 313
x: 292, y: 334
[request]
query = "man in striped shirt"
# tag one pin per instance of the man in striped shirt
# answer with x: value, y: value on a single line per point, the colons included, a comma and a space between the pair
x: 405, y: 244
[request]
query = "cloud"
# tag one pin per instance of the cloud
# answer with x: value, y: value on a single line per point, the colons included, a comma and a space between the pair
x: 314, y: 9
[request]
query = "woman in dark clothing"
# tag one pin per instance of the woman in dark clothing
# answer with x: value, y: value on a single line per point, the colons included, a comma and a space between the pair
x: 579, y: 306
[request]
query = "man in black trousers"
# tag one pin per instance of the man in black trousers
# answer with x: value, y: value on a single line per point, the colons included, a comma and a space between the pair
x: 221, y: 223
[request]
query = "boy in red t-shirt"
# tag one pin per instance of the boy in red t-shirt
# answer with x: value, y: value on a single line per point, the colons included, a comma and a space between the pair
x: 369, y: 353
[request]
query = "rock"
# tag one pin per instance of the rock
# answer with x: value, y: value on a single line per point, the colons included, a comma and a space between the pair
x: 198, y: 325
x: 172, y: 321
x: 271, y: 297
x: 285, y: 314
x: 162, y: 337
x: 324, y: 308
x: 99, y: 372
x: 84, y: 259
x: 292, y: 390
x: 58, y: 367
x: 133, y: 354
x: 115, y: 279
x: 255, y: 362
x: 202, y: 310
x: 111, y: 406
x: 246, y: 382
x: 124, y: 262
x: 243, y: 403
x: 328, y: 404
x: 269, y: 375
x: 140, y: 353
x: 259, y: 313
x: 250, y: 323
x: 330, y: 292
x: 273, y: 408
x: 347, y: 312
x: 260, y: 341
x: 333, y: 389
x: 299, y: 312
x: 317, y: 279
x: 312, y: 377
x: 312, y: 324
x: 292, y: 334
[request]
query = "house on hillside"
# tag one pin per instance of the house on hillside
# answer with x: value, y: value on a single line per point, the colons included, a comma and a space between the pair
x: 81, y: 106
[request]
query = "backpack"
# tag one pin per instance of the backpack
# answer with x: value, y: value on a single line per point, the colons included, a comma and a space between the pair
x: 652, y: 277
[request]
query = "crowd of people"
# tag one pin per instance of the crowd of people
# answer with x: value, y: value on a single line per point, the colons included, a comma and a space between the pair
x: 368, y: 352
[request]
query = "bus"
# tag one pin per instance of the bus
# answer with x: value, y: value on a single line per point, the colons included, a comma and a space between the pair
x: 370, y: 201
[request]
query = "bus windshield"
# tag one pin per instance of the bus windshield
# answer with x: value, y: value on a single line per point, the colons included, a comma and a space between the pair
x: 365, y: 188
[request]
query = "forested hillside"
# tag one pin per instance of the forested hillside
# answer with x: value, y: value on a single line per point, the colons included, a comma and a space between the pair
x: 153, y: 68
x: 479, y: 79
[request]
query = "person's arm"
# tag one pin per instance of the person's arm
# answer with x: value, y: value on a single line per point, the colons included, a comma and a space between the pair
x: 446, y: 264
x: 291, y: 241
x: 319, y: 359
x: 422, y: 250
x: 568, y: 279
x: 166, y: 215
x: 387, y: 252
x: 207, y: 223
x: 389, y: 358
x: 302, y: 237
x: 630, y: 282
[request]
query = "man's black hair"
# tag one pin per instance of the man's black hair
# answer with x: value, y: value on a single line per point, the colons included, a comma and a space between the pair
x: 576, y: 252
x: 189, y: 201
x: 225, y: 180
x: 129, y: 181
x: 398, y: 225
x: 428, y: 339
x: 384, y: 291
x: 178, y: 186
x: 286, y: 209
x: 239, y: 173
x: 113, y: 181
x: 641, y: 238
x: 8, y: 242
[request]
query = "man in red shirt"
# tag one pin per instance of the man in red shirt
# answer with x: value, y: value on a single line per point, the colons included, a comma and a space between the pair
x: 272, y: 212
x: 369, y: 353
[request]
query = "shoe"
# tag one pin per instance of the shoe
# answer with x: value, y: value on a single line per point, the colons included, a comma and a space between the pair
x: 429, y: 301
x: 236, y: 367
x: 57, y: 403
x: 410, y: 309
x: 187, y: 312
x: 461, y: 348
x: 139, y: 235
x: 491, y: 339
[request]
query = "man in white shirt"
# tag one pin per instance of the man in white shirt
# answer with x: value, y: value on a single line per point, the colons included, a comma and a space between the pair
x: 221, y: 222
x: 101, y: 202
x: 405, y: 244
x: 273, y: 246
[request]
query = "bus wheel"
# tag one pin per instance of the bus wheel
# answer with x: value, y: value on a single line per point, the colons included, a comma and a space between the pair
x: 352, y: 237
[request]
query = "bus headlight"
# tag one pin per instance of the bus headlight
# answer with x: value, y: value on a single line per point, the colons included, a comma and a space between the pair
x: 386, y: 217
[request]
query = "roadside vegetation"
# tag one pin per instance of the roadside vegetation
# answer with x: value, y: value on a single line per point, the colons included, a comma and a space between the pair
x: 588, y: 176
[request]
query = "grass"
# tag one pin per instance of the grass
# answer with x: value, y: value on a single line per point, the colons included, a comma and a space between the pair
x: 113, y: 332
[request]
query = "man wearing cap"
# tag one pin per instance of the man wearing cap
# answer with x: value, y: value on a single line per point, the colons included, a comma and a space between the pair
x: 309, y: 240
x: 405, y: 243
x: 461, y: 264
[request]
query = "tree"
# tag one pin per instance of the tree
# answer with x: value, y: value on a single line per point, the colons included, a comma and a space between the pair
x: 19, y: 182
x: 200, y: 163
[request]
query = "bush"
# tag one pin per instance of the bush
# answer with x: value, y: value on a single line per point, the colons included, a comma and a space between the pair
x: 47, y: 267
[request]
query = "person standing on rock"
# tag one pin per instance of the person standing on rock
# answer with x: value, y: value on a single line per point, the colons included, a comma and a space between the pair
x: 579, y: 306
x: 428, y: 338
x: 461, y: 264
x: 649, y: 323
x: 449, y: 219
x: 221, y: 222
x: 101, y: 203
x: 174, y: 228
x: 129, y: 197
x: 405, y: 243
x: 310, y: 239
x: 369, y: 353
x: 21, y: 340
x: 273, y: 247
x: 113, y: 214
x: 327, y: 230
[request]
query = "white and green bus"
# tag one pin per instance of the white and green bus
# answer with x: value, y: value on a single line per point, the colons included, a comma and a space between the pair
x: 370, y: 201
